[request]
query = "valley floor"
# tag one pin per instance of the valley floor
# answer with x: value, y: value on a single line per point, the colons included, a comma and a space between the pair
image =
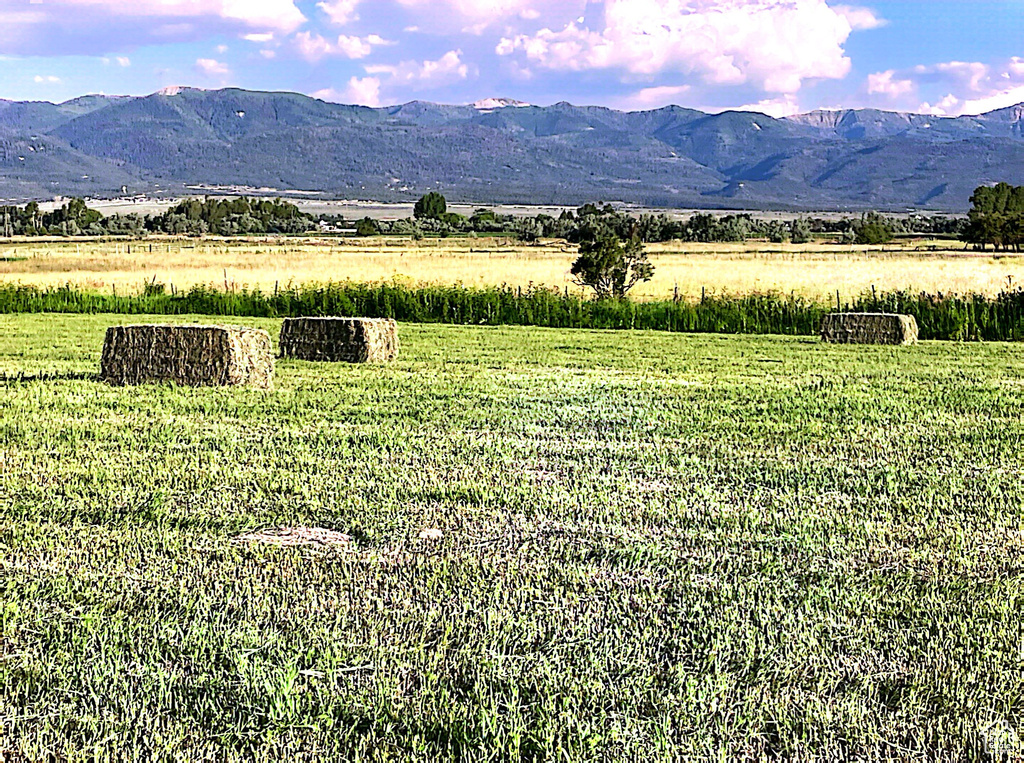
x: 637, y: 546
x: 816, y: 271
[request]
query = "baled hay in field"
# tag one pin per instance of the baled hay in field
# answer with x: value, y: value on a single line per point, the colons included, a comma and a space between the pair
x: 195, y: 356
x: 352, y: 340
x: 869, y: 328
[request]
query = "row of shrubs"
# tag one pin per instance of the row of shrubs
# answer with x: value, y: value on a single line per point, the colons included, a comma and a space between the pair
x: 952, y: 317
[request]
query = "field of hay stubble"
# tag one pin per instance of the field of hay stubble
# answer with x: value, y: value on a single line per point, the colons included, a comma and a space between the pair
x: 637, y: 546
x: 815, y: 271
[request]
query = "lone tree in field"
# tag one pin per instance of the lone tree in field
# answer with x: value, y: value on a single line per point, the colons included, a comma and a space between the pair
x: 608, y: 265
x: 996, y: 217
x: 432, y: 206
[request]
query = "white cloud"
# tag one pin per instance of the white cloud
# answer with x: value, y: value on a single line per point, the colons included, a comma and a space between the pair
x: 885, y: 83
x: 968, y: 74
x: 211, y: 67
x: 498, y: 11
x: 654, y: 97
x: 774, y: 44
x: 994, y: 101
x: 860, y: 18
x: 959, y: 87
x: 314, y: 47
x: 448, y: 68
x: 340, y: 12
x: 47, y: 79
x: 260, y: 14
x: 95, y: 27
x: 785, y: 106
x: 952, y: 106
x: 943, y: 108
x: 364, y: 91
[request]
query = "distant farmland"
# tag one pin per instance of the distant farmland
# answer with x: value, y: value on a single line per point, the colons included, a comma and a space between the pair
x: 814, y: 270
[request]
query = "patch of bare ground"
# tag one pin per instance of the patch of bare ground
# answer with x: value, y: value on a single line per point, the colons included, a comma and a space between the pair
x: 317, y: 537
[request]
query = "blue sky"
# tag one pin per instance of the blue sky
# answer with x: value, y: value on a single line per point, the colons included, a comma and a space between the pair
x: 778, y: 56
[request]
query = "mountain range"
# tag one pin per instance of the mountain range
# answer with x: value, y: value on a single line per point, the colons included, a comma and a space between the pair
x: 500, y: 150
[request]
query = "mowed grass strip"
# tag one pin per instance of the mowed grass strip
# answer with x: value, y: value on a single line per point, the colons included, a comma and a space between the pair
x: 651, y: 545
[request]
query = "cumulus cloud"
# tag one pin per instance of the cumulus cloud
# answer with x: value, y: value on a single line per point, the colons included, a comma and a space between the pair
x: 773, y: 44
x: 955, y: 87
x: 282, y: 15
x: 314, y: 47
x: 654, y: 97
x: 364, y: 91
x: 447, y: 69
x: 1003, y: 99
x: 886, y: 83
x: 499, y: 11
x: 971, y: 75
x: 415, y: 75
x: 784, y: 106
x: 211, y: 67
x: 943, y: 108
x: 860, y: 18
x: 340, y: 12
x: 46, y: 79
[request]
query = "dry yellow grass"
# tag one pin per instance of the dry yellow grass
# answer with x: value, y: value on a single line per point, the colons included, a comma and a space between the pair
x: 815, y: 270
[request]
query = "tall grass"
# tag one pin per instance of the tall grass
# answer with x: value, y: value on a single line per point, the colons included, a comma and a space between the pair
x: 940, y: 316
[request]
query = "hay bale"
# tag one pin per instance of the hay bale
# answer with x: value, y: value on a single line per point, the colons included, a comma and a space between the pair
x: 351, y: 340
x: 196, y: 356
x: 869, y: 328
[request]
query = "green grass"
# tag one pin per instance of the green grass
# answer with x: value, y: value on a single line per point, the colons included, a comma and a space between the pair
x: 656, y: 546
x: 939, y: 316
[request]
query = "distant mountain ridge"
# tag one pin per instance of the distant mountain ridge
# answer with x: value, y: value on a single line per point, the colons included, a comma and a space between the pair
x: 501, y: 150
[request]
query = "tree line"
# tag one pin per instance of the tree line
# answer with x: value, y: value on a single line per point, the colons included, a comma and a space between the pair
x: 431, y: 217
x: 193, y: 217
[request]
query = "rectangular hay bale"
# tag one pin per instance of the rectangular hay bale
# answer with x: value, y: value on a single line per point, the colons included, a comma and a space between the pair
x: 350, y: 340
x: 869, y: 328
x: 195, y: 356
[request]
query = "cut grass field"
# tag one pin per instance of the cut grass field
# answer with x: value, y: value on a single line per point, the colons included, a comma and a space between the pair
x: 815, y: 270
x: 652, y: 546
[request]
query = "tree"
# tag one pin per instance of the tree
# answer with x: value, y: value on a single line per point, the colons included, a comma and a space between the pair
x: 610, y: 266
x: 367, y: 227
x: 996, y: 217
x: 873, y: 229
x: 433, y: 206
x: 528, y: 230
x: 776, y: 232
x: 800, y: 231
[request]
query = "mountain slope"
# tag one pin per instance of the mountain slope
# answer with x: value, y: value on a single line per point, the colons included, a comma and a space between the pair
x: 505, y: 151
